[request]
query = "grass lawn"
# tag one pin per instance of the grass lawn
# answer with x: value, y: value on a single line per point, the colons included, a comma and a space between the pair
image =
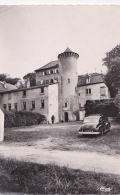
x: 65, y: 136
x: 46, y: 179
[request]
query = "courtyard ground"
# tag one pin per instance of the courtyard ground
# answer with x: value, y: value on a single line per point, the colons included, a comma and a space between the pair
x: 64, y: 137
x: 60, y: 144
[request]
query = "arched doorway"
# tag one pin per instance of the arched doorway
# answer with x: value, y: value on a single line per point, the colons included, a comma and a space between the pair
x: 66, y: 116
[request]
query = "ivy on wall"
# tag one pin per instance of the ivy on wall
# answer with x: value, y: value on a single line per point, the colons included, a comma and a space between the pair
x: 104, y: 107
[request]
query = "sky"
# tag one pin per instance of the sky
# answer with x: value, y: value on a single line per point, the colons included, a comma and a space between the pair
x: 33, y: 35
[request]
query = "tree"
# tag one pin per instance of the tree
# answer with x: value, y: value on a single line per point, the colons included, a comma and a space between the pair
x: 32, y: 77
x: 12, y: 81
x: 112, y: 62
x: 7, y: 79
x: 3, y: 77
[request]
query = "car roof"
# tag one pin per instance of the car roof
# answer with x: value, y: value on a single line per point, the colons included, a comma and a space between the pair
x: 93, y: 116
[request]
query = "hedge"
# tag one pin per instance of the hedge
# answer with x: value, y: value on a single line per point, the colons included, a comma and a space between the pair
x: 118, y: 118
x: 101, y: 107
x: 22, y: 118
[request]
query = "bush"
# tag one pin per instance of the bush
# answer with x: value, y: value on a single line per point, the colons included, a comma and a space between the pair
x: 101, y: 107
x: 22, y: 118
x: 118, y: 118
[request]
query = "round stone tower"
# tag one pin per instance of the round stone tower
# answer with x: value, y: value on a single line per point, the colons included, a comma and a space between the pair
x: 68, y: 85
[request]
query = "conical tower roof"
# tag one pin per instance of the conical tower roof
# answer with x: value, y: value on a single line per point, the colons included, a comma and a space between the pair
x: 68, y: 53
x: 68, y: 50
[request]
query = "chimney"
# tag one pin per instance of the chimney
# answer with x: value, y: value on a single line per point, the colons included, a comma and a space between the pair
x: 28, y: 83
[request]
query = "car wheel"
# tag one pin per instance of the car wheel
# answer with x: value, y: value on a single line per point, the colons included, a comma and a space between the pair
x: 102, y: 132
x: 109, y: 128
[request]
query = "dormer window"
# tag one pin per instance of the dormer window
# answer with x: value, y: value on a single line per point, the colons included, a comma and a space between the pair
x: 88, y: 79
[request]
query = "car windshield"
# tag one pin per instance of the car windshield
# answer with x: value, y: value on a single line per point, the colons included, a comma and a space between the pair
x: 91, y: 119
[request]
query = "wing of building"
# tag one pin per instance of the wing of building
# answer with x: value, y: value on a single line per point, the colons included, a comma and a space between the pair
x: 92, y: 87
x: 59, y: 91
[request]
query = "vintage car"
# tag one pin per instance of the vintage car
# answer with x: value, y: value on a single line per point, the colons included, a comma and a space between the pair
x: 94, y: 125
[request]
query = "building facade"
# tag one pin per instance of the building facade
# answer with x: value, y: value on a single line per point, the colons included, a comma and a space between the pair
x: 92, y: 87
x: 59, y: 91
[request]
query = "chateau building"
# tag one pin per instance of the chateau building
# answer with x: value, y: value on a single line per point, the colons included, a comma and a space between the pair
x: 92, y: 87
x: 59, y: 91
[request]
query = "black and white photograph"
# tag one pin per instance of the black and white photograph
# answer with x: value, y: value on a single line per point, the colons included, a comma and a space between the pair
x: 59, y: 99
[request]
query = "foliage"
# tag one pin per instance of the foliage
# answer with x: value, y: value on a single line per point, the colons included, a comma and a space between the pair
x: 3, y: 77
x: 22, y: 118
x: 7, y: 79
x: 32, y: 77
x: 12, y: 81
x: 31, y: 178
x: 118, y: 118
x: 101, y: 107
x: 117, y: 100
x: 112, y: 78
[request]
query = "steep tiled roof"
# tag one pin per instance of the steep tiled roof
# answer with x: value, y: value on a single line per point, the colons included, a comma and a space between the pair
x: 7, y: 87
x: 94, y: 78
x: 51, y: 64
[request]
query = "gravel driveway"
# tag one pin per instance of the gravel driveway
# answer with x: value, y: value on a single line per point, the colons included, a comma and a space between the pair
x: 87, y: 161
x: 60, y: 145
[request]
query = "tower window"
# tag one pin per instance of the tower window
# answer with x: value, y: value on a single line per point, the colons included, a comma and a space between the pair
x: 42, y: 104
x: 24, y: 105
x: 68, y: 80
x: 79, y: 94
x: 65, y: 105
x: 33, y: 104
